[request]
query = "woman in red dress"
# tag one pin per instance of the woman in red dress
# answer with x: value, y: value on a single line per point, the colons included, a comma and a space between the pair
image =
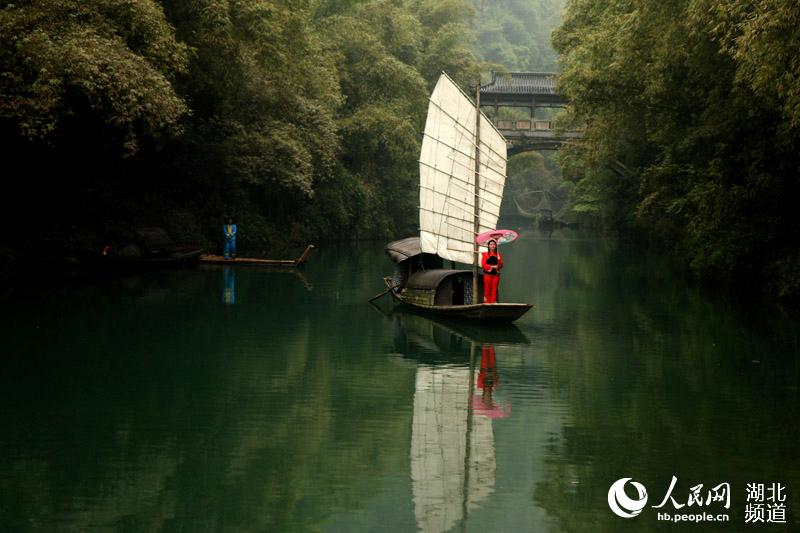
x: 491, y: 262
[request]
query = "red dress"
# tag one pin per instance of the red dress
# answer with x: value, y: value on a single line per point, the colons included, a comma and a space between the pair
x: 491, y: 278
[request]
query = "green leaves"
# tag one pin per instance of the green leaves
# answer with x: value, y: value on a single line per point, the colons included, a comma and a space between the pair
x: 516, y: 33
x: 261, y: 72
x: 697, y: 99
x: 448, y: 51
x: 107, y: 62
x: 763, y: 38
x: 387, y: 55
x: 278, y: 111
x: 435, y: 14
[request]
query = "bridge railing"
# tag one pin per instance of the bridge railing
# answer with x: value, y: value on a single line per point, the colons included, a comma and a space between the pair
x: 525, y: 125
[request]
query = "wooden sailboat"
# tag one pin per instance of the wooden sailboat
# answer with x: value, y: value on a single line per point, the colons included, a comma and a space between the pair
x: 462, y: 176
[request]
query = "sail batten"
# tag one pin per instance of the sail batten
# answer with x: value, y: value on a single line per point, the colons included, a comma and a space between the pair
x: 483, y: 202
x: 485, y: 195
x: 487, y: 153
x: 447, y: 174
x: 500, y: 171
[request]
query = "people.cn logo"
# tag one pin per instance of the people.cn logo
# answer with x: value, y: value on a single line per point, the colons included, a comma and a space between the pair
x: 621, y: 504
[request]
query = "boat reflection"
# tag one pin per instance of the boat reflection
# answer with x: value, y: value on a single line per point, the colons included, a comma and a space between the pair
x: 437, y: 340
x: 453, y: 464
x: 452, y: 452
x: 229, y: 272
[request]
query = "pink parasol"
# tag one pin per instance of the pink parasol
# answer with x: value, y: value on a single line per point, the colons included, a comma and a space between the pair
x: 502, y: 236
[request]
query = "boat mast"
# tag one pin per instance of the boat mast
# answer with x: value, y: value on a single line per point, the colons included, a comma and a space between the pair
x: 476, y: 224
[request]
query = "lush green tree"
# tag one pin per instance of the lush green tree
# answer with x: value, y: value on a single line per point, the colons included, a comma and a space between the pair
x: 264, y: 96
x: 106, y: 63
x: 681, y: 101
x: 515, y: 34
x: 303, y: 118
x: 86, y: 94
x: 307, y: 116
x: 388, y: 55
x: 762, y: 38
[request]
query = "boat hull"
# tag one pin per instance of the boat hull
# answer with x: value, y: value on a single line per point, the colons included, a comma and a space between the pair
x: 497, y: 312
x: 220, y: 260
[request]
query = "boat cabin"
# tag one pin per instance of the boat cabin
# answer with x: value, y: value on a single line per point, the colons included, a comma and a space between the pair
x: 421, y: 279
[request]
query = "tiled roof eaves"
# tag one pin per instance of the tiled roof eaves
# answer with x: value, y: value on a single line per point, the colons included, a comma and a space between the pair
x: 522, y: 83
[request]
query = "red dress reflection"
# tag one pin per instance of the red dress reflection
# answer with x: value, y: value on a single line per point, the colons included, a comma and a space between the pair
x: 487, y: 381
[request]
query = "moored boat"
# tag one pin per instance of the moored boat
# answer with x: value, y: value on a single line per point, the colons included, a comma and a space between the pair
x: 444, y: 292
x: 220, y: 260
x: 462, y: 176
x: 148, y: 248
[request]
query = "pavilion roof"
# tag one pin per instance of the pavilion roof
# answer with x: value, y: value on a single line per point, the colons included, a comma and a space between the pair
x: 521, y: 83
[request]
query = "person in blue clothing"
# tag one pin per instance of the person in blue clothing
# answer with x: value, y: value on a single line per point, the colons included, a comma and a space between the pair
x: 229, y: 230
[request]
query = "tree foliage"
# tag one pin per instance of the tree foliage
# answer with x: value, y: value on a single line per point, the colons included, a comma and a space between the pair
x: 109, y: 62
x: 515, y: 34
x: 696, y: 101
x: 301, y: 117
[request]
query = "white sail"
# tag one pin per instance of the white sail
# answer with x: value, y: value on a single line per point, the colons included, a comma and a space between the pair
x: 447, y: 174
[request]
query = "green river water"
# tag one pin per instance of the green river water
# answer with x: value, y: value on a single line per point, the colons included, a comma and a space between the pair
x: 242, y: 399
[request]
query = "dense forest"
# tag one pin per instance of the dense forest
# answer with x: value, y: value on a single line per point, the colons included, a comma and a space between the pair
x: 515, y: 35
x: 695, y: 104
x: 303, y: 119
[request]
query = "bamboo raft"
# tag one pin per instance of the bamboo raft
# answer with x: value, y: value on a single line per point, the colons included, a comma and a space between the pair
x: 220, y: 260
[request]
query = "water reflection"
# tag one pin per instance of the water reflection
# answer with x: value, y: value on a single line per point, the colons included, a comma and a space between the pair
x: 146, y: 403
x: 453, y: 456
x: 432, y: 339
x: 485, y: 403
x: 452, y: 451
x: 658, y: 379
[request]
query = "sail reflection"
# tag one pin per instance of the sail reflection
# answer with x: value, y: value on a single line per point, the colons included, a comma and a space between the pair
x: 453, y: 462
x: 452, y: 452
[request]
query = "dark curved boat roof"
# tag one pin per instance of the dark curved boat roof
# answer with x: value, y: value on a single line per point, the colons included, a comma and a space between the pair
x: 430, y: 279
x: 403, y: 249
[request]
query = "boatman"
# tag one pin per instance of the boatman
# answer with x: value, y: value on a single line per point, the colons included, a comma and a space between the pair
x: 229, y: 230
x: 491, y: 262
